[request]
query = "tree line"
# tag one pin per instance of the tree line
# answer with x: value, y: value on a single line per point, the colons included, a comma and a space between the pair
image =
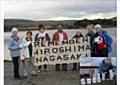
x: 22, y: 24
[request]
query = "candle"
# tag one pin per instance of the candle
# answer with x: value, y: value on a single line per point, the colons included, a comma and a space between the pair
x: 88, y: 80
x: 103, y: 76
x: 98, y: 77
x: 82, y: 81
x: 111, y: 75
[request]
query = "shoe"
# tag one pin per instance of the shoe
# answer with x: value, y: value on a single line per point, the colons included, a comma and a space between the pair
x: 25, y: 75
x: 17, y: 77
x: 38, y: 71
x: 46, y: 69
x: 57, y: 69
x: 33, y: 73
x: 74, y: 69
x: 64, y: 69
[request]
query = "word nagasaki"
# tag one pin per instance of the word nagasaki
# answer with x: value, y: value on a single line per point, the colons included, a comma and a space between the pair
x: 65, y: 52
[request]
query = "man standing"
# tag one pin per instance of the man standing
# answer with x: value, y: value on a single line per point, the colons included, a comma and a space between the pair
x: 90, y: 29
x: 60, y: 35
x: 14, y: 48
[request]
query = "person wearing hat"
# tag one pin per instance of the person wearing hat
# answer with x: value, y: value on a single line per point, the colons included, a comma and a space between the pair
x: 60, y: 35
x: 14, y: 48
x: 42, y: 36
x: 101, y: 42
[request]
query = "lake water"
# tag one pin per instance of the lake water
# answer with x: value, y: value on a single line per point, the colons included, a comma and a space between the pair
x: 71, y: 33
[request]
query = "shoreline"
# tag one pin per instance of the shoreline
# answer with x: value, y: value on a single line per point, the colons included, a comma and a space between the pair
x: 82, y: 28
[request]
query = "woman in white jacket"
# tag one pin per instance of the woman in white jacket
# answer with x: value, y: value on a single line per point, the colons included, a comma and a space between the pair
x: 26, y: 55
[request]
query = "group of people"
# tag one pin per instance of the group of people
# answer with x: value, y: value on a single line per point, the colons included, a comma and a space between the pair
x: 100, y: 43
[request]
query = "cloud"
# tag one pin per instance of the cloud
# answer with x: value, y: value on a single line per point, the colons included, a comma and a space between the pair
x: 89, y: 16
x: 62, y: 9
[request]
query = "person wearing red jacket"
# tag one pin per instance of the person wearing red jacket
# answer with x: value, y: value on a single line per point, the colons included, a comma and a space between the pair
x: 60, y: 35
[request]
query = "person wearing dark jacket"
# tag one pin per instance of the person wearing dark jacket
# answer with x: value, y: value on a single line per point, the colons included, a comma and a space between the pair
x: 77, y: 35
x: 101, y: 42
x: 42, y: 36
x: 90, y: 29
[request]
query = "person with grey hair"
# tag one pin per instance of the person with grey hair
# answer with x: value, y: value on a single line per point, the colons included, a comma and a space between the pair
x: 101, y: 42
x: 60, y: 35
x: 14, y: 48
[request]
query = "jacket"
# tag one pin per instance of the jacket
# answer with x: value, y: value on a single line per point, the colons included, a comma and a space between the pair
x: 13, y: 44
x: 24, y: 52
x: 105, y: 67
x: 46, y: 35
x: 76, y: 36
x: 107, y: 38
x: 56, y: 37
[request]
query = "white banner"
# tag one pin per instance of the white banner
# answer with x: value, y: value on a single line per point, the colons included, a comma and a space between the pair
x: 61, y: 52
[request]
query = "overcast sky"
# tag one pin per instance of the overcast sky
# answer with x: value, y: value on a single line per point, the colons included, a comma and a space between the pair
x: 59, y: 9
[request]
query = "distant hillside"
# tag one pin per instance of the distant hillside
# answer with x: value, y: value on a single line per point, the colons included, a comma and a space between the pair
x: 23, y: 24
x: 106, y: 23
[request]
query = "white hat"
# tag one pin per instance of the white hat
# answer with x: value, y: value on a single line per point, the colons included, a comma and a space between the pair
x: 98, y: 26
x: 14, y: 29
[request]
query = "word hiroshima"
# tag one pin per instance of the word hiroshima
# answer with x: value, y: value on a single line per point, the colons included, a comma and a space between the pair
x: 65, y: 51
